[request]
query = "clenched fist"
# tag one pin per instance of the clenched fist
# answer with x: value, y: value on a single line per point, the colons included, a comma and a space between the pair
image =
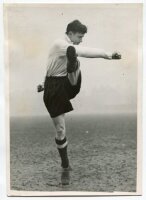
x: 40, y: 88
x: 116, y: 55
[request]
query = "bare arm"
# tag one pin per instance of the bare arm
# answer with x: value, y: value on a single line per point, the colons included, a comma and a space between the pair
x: 88, y: 52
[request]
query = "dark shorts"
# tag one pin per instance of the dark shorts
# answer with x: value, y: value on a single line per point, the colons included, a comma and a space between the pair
x: 57, y: 94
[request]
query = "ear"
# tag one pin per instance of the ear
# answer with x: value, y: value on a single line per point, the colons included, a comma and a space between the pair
x: 70, y: 33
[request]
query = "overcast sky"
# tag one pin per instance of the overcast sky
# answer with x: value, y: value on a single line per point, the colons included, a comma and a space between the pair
x: 108, y: 85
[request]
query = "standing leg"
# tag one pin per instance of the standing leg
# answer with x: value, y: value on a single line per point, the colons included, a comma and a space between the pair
x: 61, y: 142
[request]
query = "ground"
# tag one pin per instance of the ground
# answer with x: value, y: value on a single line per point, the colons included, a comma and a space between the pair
x: 102, y: 152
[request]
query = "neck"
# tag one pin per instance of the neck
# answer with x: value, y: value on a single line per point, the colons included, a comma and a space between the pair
x: 69, y: 38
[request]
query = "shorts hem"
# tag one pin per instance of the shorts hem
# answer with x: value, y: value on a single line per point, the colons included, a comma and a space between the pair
x: 56, y: 115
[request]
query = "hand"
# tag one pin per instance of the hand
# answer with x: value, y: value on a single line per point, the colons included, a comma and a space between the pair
x: 40, y: 88
x: 116, y: 56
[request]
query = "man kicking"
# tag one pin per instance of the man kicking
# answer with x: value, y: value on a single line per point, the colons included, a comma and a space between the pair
x: 63, y: 82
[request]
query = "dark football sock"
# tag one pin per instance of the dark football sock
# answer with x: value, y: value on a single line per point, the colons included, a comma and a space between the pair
x: 62, y: 149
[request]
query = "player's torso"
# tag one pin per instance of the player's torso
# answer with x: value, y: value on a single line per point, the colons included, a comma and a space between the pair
x: 57, y: 66
x: 57, y: 60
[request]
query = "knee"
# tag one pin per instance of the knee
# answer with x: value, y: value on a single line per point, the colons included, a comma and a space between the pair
x: 60, y: 131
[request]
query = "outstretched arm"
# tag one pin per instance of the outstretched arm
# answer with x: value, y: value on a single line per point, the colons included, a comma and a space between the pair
x: 95, y: 53
x: 87, y: 52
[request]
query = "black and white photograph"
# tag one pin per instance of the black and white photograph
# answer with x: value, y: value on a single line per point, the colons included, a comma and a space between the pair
x: 73, y: 74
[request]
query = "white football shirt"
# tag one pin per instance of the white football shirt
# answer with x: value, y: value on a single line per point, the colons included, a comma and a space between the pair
x: 57, y: 60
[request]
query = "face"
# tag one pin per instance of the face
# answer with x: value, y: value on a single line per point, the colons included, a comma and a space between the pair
x: 76, y: 38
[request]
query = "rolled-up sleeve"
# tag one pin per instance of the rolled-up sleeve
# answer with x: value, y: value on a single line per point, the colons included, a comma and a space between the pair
x: 60, y: 47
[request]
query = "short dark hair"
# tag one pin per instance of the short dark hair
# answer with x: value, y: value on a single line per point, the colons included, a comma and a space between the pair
x: 76, y: 26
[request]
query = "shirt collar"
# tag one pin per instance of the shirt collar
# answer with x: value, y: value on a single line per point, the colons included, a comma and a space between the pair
x: 68, y: 39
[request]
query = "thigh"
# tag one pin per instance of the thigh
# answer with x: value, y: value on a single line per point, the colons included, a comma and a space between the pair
x: 59, y: 120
